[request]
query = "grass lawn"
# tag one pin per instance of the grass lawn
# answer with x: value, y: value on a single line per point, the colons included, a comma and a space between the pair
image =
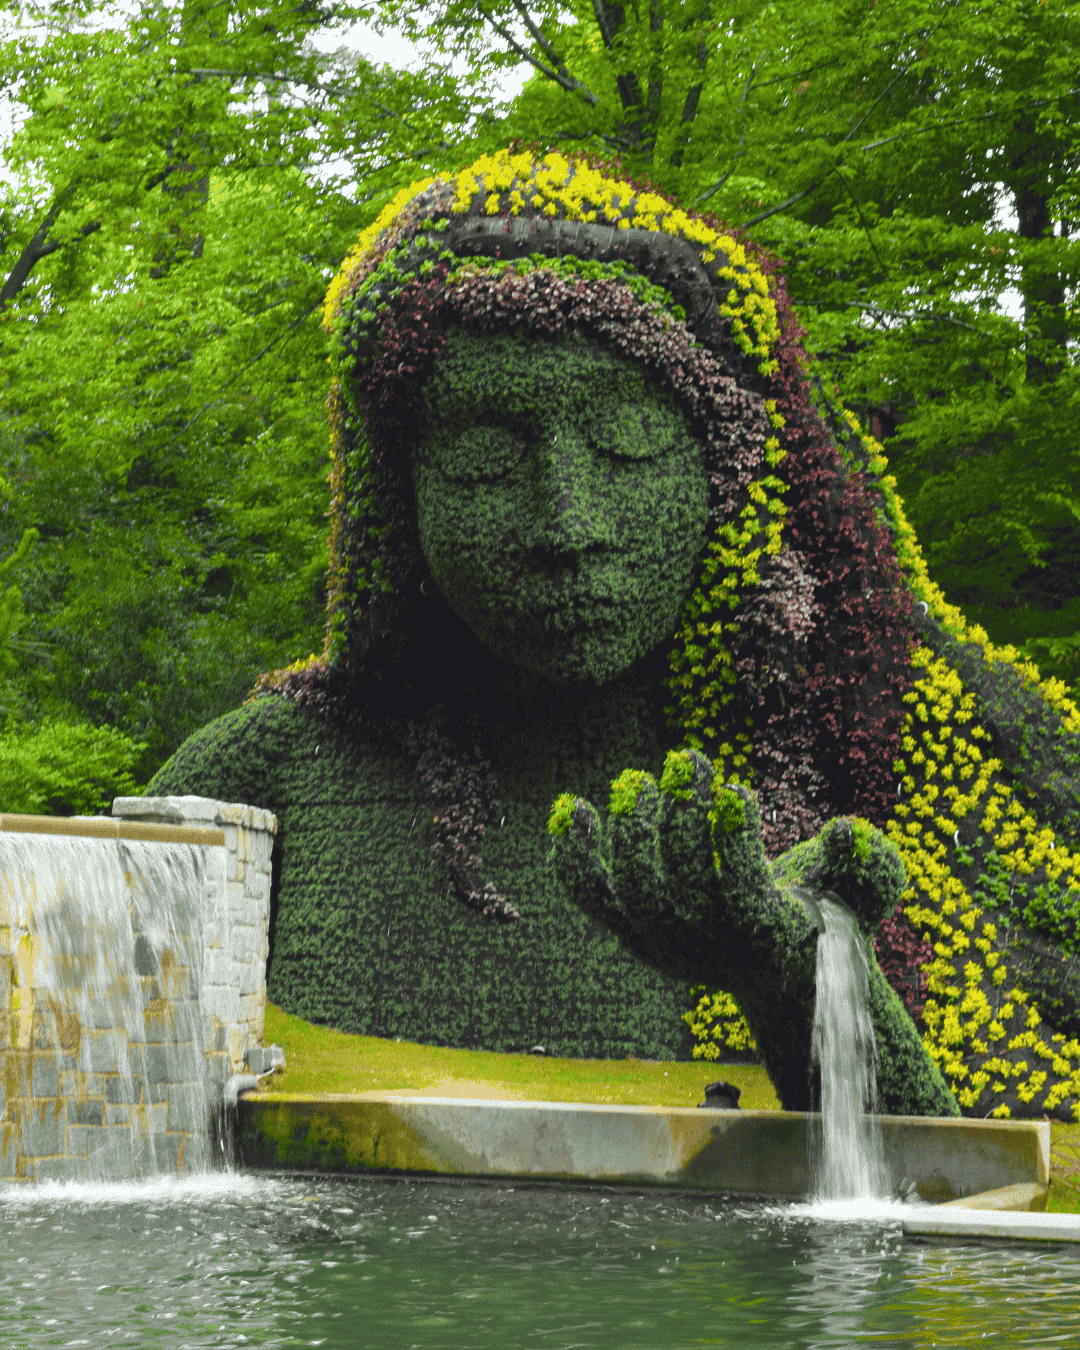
x: 1064, y: 1197
x: 321, y: 1060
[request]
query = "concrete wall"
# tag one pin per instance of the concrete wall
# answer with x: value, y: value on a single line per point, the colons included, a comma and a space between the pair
x: 746, y: 1152
x: 236, y: 921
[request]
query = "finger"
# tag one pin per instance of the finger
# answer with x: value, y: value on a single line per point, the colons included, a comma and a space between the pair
x: 686, y: 851
x: 857, y: 862
x: 637, y: 868
x: 579, y: 857
x: 738, y: 851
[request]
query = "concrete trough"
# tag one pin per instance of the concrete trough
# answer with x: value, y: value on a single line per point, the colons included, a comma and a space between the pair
x: 761, y: 1153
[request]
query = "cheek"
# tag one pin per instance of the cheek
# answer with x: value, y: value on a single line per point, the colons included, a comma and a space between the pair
x: 460, y: 523
x: 666, y: 515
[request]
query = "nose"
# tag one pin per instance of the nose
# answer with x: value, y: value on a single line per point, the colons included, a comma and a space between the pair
x: 571, y: 512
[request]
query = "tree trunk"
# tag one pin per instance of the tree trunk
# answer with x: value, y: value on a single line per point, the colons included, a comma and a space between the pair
x: 1042, y: 290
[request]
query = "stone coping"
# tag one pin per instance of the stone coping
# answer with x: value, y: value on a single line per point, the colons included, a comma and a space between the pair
x: 203, y: 810
x: 1028, y: 1195
x: 762, y: 1153
x: 955, y: 1221
x: 105, y: 827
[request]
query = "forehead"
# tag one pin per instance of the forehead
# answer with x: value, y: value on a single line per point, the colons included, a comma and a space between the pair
x: 522, y: 371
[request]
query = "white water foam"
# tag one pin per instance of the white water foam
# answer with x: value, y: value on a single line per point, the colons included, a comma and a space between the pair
x: 851, y: 1163
x: 201, y: 1189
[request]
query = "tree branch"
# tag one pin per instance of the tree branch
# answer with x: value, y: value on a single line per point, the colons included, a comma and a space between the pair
x: 285, y: 332
x: 742, y: 139
x: 603, y: 22
x: 561, y: 76
x: 862, y: 219
x: 975, y: 117
x: 538, y: 35
x: 775, y: 210
x: 40, y: 246
x: 693, y: 98
x: 629, y: 86
x: 911, y: 315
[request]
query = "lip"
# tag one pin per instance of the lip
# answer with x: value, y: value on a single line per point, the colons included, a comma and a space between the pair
x: 578, y: 612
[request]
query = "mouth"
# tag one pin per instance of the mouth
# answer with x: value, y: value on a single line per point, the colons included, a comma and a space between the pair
x: 573, y: 614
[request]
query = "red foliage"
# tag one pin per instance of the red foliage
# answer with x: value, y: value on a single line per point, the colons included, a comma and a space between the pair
x: 901, y: 953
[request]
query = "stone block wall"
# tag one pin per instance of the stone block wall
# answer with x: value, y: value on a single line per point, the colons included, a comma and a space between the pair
x: 236, y: 918
x: 132, y: 982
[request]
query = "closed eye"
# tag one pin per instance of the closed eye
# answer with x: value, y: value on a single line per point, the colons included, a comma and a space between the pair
x: 479, y: 454
x: 634, y: 434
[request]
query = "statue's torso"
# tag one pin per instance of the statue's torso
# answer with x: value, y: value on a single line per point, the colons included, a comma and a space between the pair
x: 368, y: 932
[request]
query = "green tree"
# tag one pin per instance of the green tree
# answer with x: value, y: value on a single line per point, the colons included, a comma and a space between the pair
x: 184, y: 186
x: 12, y: 612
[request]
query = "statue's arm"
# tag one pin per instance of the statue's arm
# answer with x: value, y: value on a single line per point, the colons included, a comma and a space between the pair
x: 677, y: 870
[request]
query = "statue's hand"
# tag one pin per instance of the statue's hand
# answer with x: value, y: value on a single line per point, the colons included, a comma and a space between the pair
x: 852, y: 859
x: 675, y: 868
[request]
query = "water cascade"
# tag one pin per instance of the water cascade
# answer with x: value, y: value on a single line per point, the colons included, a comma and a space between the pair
x: 132, y: 979
x: 107, y: 972
x: 851, y: 1163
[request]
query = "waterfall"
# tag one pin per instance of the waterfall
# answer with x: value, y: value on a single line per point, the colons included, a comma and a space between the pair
x: 103, y: 1052
x: 851, y: 1159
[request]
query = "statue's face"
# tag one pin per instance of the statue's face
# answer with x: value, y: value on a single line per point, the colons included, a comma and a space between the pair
x: 562, y: 501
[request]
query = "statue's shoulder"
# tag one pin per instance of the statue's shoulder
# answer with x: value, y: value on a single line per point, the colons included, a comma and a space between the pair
x: 238, y: 749
x: 274, y: 751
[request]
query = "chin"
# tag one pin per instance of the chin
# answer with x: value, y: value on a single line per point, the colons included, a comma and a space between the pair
x: 584, y: 656
x: 568, y: 664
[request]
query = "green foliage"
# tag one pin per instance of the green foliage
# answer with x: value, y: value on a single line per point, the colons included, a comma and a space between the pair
x: 562, y: 812
x: 678, y: 775
x: 368, y: 935
x: 1052, y: 912
x: 729, y: 811
x: 625, y: 791
x: 55, y: 768
x: 863, y: 834
x: 11, y: 604
x: 171, y: 218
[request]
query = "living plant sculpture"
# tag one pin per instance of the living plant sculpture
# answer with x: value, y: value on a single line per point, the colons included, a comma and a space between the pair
x: 591, y: 510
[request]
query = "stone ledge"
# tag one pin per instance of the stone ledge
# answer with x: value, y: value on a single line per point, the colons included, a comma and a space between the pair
x: 1027, y: 1196
x: 103, y: 827
x: 178, y: 809
x: 957, y: 1221
x: 763, y: 1153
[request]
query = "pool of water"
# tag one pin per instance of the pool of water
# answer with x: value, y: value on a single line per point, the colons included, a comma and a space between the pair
x: 234, y: 1260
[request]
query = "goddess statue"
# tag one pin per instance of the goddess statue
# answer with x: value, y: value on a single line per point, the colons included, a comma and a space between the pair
x: 598, y: 537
